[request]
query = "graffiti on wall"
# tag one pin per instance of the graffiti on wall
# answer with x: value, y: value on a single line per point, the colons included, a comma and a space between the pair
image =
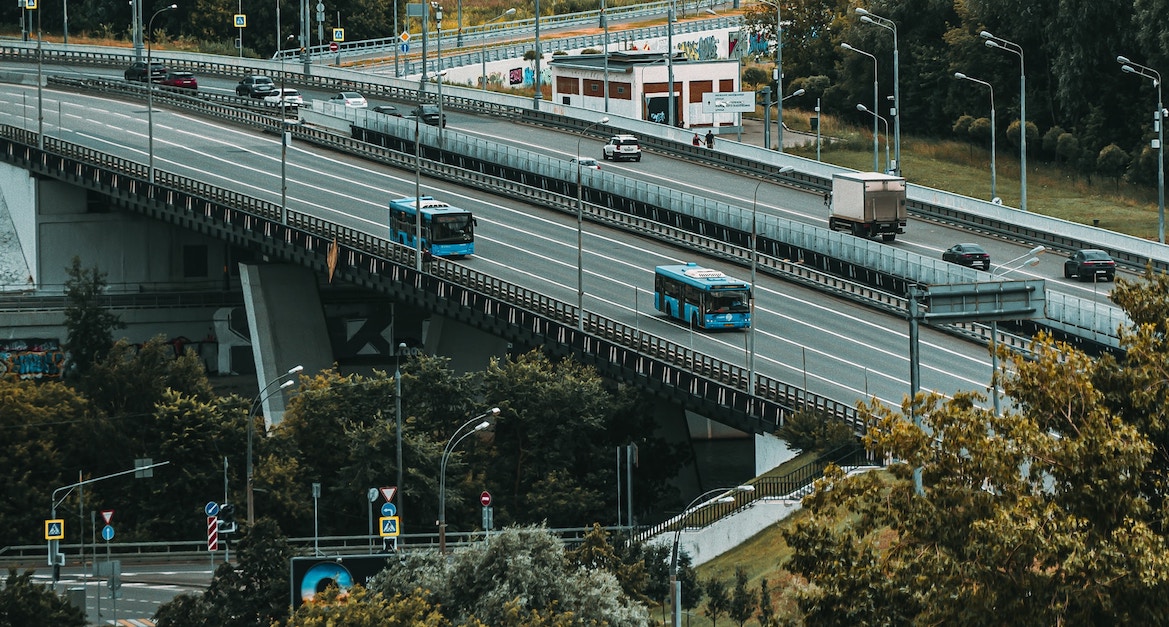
x: 36, y: 358
x: 703, y: 49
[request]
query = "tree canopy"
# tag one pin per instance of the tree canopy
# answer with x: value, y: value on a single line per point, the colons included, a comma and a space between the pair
x: 1050, y: 513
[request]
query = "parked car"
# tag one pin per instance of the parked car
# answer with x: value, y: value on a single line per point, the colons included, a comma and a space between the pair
x: 387, y: 110
x: 587, y: 162
x: 254, y: 86
x: 429, y: 114
x: 291, y: 97
x: 1088, y: 264
x: 349, y: 99
x: 137, y: 71
x: 622, y: 147
x: 971, y: 255
x: 183, y: 80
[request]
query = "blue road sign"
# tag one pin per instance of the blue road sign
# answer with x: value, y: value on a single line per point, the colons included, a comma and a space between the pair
x: 404, y: 47
x: 107, y: 533
x: 389, y: 526
x: 388, y: 509
x: 211, y: 508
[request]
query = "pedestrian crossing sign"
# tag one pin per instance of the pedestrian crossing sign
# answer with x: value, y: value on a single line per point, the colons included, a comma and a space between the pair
x: 389, y: 526
x: 55, y: 529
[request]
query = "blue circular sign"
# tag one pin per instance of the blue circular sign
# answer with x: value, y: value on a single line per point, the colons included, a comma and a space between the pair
x: 404, y: 47
x: 388, y: 509
x: 212, y: 508
x: 107, y: 533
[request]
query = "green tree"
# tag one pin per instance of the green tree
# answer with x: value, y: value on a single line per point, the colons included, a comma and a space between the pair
x: 766, y: 605
x: 744, y: 601
x: 754, y: 75
x: 1042, y: 513
x: 254, y: 591
x: 718, y: 598
x: 39, y: 451
x: 522, y: 571
x: 551, y: 448
x: 23, y: 602
x: 89, y: 326
x: 980, y: 130
x: 1112, y: 162
x: 811, y: 430
x: 1068, y: 148
x: 358, y: 607
x: 962, y: 125
x: 1051, y: 141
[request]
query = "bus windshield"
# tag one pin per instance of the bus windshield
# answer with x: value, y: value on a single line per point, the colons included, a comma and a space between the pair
x: 452, y: 228
x: 736, y: 301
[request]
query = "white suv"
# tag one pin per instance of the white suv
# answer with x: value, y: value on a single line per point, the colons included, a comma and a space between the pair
x: 622, y: 147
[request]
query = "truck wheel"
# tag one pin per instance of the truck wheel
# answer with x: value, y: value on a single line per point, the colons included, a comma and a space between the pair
x: 888, y: 237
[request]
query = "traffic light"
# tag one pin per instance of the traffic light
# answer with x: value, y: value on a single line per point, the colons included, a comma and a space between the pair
x: 227, y: 518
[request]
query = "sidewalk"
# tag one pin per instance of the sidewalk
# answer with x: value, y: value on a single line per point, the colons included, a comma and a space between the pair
x: 753, y: 135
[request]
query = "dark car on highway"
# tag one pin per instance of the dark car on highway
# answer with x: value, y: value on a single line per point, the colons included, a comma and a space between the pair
x: 429, y: 114
x: 256, y: 87
x: 971, y: 255
x: 1090, y: 264
x: 137, y: 71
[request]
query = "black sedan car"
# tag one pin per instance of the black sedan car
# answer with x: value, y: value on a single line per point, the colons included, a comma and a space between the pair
x: 429, y: 114
x: 1090, y: 264
x: 971, y: 255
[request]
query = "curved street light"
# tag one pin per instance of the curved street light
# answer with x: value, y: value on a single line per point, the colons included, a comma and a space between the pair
x: 1158, y: 121
x: 889, y: 25
x: 398, y: 420
x: 778, y: 72
x: 993, y: 182
x: 255, y: 406
x: 580, y: 229
x: 483, y: 51
x: 861, y: 107
x: 695, y: 505
x: 478, y: 423
x: 1003, y: 44
x: 876, y: 102
x: 150, y: 90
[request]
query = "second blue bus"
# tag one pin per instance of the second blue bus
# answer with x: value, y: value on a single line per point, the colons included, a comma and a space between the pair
x: 446, y: 231
x: 704, y: 298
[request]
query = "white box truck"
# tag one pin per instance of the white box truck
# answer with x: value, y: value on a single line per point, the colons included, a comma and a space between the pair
x: 868, y: 204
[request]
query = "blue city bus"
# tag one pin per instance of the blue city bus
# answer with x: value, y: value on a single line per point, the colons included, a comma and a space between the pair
x: 702, y: 297
x: 446, y: 231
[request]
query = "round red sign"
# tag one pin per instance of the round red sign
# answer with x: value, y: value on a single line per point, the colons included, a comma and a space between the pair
x: 485, y: 498
x: 333, y: 46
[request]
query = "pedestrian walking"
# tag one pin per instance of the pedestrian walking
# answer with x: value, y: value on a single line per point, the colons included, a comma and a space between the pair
x: 710, y: 139
x: 697, y: 141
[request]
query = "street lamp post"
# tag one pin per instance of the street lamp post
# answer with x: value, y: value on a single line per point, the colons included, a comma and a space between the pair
x: 993, y: 180
x: 671, y: 116
x: 754, y: 265
x: 876, y: 20
x: 150, y: 90
x: 1158, y: 121
x: 1003, y: 44
x: 876, y: 101
x: 580, y: 229
x: 255, y: 406
x: 695, y: 505
x: 861, y: 107
x: 440, y: 73
x: 1028, y: 259
x: 483, y: 51
x: 778, y: 73
x: 283, y: 138
x: 478, y: 423
x: 398, y: 420
x: 418, y: 192
x: 536, y: 76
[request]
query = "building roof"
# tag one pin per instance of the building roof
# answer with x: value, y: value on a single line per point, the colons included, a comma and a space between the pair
x: 619, y: 61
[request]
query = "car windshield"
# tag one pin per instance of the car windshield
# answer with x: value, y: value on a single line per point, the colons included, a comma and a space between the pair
x: 1096, y: 255
x: 348, y: 95
x: 736, y: 301
x: 452, y: 229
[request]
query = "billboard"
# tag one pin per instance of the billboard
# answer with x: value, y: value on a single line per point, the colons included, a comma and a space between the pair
x: 311, y: 575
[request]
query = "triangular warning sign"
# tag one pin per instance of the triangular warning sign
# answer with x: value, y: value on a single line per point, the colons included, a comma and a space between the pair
x: 107, y: 515
x: 388, y: 493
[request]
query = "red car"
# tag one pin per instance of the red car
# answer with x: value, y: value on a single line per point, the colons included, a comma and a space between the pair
x: 184, y: 80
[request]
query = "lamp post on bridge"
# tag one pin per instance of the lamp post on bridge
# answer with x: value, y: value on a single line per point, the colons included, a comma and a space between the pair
x: 477, y: 424
x: 695, y: 505
x: 149, y: 90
